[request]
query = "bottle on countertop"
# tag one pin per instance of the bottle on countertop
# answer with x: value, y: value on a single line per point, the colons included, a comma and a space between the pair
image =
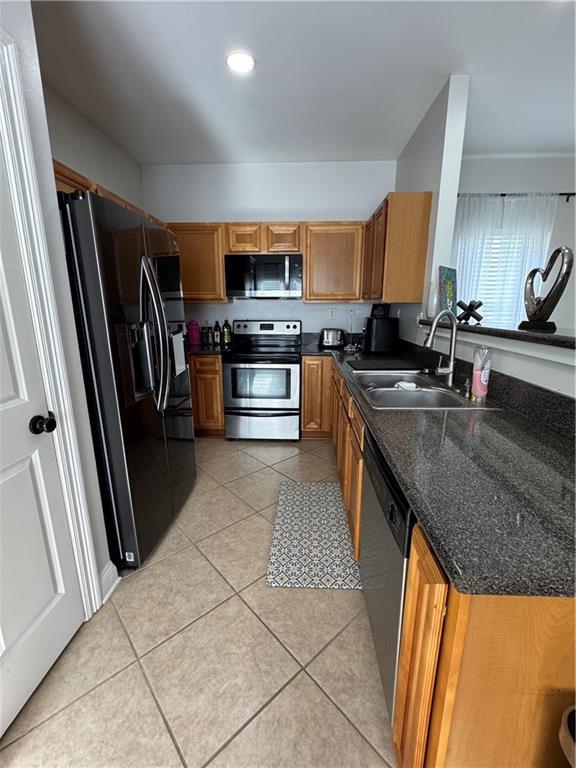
x: 205, y: 334
x: 226, y: 335
x: 217, y: 334
x: 210, y: 337
x: 481, y: 363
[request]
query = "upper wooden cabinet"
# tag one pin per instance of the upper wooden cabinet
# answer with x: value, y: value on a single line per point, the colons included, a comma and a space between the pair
x: 395, y: 264
x: 316, y: 411
x: 243, y: 238
x: 281, y: 238
x: 263, y: 237
x: 333, y: 261
x: 201, y: 260
x: 374, y: 254
x: 406, y: 245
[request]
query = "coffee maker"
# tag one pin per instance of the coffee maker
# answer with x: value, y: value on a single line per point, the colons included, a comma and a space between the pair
x: 381, y: 331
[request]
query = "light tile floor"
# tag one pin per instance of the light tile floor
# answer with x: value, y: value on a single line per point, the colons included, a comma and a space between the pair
x: 195, y: 662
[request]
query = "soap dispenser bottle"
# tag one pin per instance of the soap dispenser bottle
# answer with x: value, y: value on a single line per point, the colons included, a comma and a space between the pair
x: 481, y: 364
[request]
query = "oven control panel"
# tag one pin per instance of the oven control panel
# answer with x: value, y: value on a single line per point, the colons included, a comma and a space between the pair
x: 267, y: 327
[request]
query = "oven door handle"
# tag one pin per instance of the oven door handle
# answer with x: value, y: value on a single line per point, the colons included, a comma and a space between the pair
x: 258, y: 414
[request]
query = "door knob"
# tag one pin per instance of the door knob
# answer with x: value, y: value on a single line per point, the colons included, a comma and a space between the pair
x: 39, y: 424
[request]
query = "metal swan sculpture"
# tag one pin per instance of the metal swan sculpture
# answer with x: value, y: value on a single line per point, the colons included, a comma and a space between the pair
x: 539, y: 308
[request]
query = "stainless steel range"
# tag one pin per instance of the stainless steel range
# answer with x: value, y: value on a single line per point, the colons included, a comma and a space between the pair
x: 262, y: 380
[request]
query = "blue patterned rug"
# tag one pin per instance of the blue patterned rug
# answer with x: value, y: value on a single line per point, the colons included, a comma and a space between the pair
x: 311, y: 545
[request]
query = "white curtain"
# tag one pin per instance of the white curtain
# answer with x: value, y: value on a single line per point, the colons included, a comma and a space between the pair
x: 497, y: 240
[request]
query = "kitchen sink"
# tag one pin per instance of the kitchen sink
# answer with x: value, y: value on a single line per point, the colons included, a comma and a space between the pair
x: 389, y: 379
x: 409, y: 390
x: 416, y: 399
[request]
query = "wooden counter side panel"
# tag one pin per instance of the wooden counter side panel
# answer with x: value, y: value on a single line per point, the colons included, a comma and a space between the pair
x: 515, y: 679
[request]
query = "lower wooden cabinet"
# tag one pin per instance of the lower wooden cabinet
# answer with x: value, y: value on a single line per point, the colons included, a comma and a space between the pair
x: 316, y: 401
x: 424, y: 609
x: 482, y: 680
x: 355, y: 492
x: 348, y: 438
x: 207, y: 394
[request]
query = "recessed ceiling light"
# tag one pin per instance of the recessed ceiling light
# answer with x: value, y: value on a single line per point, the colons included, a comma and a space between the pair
x: 240, y: 62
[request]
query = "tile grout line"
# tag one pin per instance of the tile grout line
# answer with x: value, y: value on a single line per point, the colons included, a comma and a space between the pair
x: 340, y: 631
x: 153, y: 693
x: 271, y: 631
x: 358, y: 731
x: 251, y: 718
x: 209, y: 536
x: 69, y: 704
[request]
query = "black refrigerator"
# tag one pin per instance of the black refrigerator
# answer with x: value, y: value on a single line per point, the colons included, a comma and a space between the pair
x: 125, y: 279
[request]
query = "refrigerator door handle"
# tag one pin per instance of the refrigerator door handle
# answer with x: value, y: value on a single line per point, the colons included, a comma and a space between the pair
x: 161, y: 398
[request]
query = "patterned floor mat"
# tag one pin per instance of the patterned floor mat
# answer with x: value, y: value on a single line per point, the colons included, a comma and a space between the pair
x: 311, y: 545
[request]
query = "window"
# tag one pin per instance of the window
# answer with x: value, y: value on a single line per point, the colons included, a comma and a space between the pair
x: 498, y: 239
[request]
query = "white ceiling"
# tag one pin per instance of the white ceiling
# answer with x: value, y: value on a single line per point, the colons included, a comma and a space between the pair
x: 334, y: 80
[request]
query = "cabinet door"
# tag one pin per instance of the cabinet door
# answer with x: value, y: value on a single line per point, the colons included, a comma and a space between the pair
x: 368, y: 259
x: 243, y: 238
x: 355, y: 493
x: 335, y: 411
x: 206, y: 374
x: 406, y: 246
x: 343, y: 454
x: 333, y: 262
x: 378, y: 251
x: 424, y: 609
x: 201, y: 260
x: 281, y: 238
x: 316, y: 417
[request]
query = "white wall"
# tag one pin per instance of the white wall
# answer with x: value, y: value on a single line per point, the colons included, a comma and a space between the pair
x: 79, y: 144
x: 533, y: 174
x: 267, y: 191
x: 431, y: 161
x: 314, y: 316
x: 517, y: 174
x: 16, y: 20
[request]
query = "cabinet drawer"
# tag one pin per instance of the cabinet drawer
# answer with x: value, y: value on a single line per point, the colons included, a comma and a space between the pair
x: 206, y: 363
x: 357, y: 423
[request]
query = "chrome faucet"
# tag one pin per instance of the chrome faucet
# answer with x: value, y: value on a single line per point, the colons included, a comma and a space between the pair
x: 441, y: 370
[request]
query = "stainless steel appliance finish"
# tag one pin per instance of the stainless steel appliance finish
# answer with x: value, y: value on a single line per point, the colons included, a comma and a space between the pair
x: 262, y: 380
x: 266, y: 386
x: 332, y: 338
x: 263, y: 275
x: 132, y: 350
x: 386, y: 525
x: 262, y: 425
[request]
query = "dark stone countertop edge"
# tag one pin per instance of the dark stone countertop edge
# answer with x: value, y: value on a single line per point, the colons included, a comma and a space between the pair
x: 462, y: 582
x: 549, y: 339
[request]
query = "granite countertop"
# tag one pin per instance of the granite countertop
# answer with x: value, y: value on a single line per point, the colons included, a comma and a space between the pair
x: 493, y: 491
x: 202, y: 351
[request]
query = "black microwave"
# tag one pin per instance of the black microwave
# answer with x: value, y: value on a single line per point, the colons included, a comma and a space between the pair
x: 263, y: 275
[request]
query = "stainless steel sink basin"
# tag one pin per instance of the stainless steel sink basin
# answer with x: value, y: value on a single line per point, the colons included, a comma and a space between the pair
x: 420, y: 399
x: 388, y: 379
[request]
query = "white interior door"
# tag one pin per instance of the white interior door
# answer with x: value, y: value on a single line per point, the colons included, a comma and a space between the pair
x: 40, y: 600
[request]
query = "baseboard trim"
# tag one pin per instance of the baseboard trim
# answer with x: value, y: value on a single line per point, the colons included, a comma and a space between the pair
x: 109, y: 580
